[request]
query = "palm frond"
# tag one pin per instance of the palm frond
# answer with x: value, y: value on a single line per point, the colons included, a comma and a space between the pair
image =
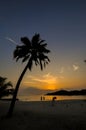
x: 5, y: 87
x: 41, y: 66
x: 21, y: 52
x: 41, y: 41
x: 33, y: 50
x: 2, y: 80
x: 25, y: 58
x: 35, y: 39
x: 26, y: 41
x: 30, y: 63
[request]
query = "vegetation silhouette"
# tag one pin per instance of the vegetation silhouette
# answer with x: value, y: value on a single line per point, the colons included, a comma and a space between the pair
x: 6, y: 88
x: 32, y: 51
x: 69, y: 93
x: 85, y: 61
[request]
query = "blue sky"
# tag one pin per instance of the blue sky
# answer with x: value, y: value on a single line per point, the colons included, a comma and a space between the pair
x: 62, y: 23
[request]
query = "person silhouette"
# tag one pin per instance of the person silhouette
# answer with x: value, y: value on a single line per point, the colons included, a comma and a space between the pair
x: 53, y: 101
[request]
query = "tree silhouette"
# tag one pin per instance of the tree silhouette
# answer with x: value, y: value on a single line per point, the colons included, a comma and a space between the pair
x: 85, y: 61
x: 32, y: 51
x: 6, y: 88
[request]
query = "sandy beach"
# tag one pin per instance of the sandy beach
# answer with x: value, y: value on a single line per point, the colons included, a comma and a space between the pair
x: 40, y: 115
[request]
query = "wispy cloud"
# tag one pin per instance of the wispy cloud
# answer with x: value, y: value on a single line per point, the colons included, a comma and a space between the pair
x: 47, y: 78
x: 62, y: 70
x: 11, y: 40
x: 75, y: 67
x: 61, y: 77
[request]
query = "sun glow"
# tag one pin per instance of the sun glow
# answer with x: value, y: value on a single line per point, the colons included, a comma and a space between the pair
x: 46, y: 81
x: 61, y: 80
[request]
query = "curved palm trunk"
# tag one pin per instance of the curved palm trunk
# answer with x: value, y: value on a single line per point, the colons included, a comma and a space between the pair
x: 10, y: 112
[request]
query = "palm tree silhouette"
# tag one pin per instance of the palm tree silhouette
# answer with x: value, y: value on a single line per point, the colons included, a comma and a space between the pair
x: 6, y: 88
x: 32, y: 51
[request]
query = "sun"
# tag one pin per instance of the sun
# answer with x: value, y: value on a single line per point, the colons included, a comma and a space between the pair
x: 50, y: 86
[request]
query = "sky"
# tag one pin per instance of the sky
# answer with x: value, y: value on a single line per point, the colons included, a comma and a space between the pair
x: 62, y: 23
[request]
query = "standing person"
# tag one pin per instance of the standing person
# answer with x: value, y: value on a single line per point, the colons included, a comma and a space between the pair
x: 53, y: 101
x: 41, y: 98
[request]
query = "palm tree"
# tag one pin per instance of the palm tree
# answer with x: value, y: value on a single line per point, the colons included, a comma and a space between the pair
x: 32, y: 51
x: 6, y: 88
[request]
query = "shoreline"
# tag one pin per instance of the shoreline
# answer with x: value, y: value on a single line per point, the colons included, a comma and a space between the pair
x: 61, y: 107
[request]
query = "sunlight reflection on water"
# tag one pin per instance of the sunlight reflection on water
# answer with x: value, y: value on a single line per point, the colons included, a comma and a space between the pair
x: 49, y: 98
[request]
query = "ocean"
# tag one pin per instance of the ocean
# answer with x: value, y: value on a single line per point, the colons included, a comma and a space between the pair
x: 49, y: 98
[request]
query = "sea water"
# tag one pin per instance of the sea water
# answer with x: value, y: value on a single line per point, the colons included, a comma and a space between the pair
x: 49, y: 97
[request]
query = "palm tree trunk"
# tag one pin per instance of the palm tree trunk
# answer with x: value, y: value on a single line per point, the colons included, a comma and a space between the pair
x: 10, y: 112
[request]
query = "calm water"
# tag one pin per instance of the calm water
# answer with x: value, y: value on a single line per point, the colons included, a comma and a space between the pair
x: 48, y: 98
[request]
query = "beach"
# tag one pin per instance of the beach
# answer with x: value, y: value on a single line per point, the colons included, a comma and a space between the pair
x: 40, y: 115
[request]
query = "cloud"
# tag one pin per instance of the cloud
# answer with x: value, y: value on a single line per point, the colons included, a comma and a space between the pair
x: 47, y: 78
x: 75, y: 67
x: 11, y: 40
x: 62, y: 70
x: 61, y: 77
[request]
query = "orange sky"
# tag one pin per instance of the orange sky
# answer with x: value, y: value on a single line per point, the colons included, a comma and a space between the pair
x: 53, y: 81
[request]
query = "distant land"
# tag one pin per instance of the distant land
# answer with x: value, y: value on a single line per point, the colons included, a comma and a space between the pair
x: 33, y: 91
x: 68, y: 93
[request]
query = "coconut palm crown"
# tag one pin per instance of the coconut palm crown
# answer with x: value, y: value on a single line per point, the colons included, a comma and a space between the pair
x: 33, y: 51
